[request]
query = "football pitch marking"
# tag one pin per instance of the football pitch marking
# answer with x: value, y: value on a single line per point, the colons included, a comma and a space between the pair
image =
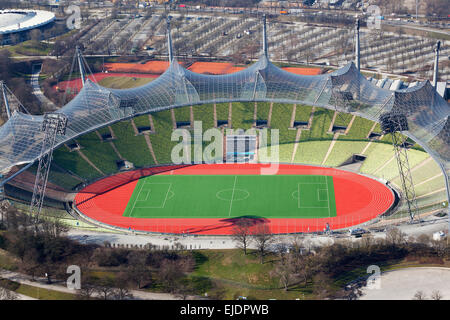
x: 244, y: 192
x: 321, y: 193
x: 310, y: 197
x: 232, y: 196
x: 149, y: 191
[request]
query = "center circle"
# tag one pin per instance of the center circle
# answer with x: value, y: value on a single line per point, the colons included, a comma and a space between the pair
x: 232, y: 194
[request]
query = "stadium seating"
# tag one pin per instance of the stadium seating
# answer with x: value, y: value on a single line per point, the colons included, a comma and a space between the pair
x: 130, y: 146
x: 124, y: 140
x: 100, y: 153
x: 73, y: 162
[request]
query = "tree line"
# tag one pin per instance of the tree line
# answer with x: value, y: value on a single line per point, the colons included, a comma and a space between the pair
x: 301, y: 264
x: 44, y: 249
x: 112, y: 273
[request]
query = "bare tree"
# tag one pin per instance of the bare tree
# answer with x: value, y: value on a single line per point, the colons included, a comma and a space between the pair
x: 322, y: 285
x: 138, y: 271
x: 184, y: 289
x: 285, y: 270
x: 104, y: 288
x: 6, y: 294
x: 305, y: 268
x: 438, y: 7
x: 419, y: 295
x: 436, y: 295
x: 88, y: 288
x: 4, y: 205
x: 30, y: 264
x: 263, y: 237
x: 242, y: 233
x: 169, y: 274
x: 36, y: 35
x: 122, y: 285
x: 440, y: 246
x: 395, y: 237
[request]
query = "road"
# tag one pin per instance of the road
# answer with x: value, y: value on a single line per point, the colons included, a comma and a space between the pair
x: 431, y: 226
x: 49, y: 105
x: 413, y: 25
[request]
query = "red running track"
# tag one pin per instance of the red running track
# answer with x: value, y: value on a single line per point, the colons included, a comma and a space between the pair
x: 358, y: 199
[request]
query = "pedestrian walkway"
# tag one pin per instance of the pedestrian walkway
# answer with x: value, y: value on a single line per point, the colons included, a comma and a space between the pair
x: 41, y: 282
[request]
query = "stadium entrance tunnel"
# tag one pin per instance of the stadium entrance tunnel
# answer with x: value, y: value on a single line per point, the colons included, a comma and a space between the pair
x: 184, y: 199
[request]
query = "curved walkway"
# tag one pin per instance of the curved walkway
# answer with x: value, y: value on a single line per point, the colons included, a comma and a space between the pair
x: 41, y: 283
x: 37, y: 88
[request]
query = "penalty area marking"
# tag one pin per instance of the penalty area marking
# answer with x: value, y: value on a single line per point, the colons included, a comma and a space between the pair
x: 152, y: 191
x: 319, y: 190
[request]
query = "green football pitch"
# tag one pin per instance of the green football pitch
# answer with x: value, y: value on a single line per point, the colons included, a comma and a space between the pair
x: 228, y: 196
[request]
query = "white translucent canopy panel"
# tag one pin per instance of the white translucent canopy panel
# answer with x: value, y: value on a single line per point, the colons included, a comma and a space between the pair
x: 346, y: 90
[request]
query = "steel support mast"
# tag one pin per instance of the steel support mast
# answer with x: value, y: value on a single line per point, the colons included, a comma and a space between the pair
x: 436, y: 64
x: 357, y: 46
x: 80, y: 64
x: 53, y: 124
x: 395, y: 123
x: 5, y: 98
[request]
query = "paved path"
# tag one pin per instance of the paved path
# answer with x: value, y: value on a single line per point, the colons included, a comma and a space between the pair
x: 49, y: 105
x: 403, y: 284
x: 60, y: 287
x: 431, y: 226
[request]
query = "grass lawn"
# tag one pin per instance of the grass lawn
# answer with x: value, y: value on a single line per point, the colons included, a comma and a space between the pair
x: 222, y: 111
x: 235, y: 274
x: 343, y: 150
x: 73, y: 162
x: 100, y: 153
x: 183, y: 114
x: 377, y: 154
x: 130, y: 146
x: 302, y: 113
x: 30, y: 48
x: 390, y: 171
x: 242, y: 115
x: 311, y: 152
x: 36, y: 292
x: 124, y: 82
x: 205, y: 114
x: 7, y: 261
x: 161, y: 140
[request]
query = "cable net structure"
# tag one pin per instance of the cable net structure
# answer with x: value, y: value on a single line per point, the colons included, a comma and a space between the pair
x: 345, y: 90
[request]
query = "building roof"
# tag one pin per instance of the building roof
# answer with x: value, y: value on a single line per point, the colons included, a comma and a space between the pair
x: 12, y: 20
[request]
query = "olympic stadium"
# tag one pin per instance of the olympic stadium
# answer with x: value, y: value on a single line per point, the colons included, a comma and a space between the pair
x: 13, y: 21
x: 337, y: 167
